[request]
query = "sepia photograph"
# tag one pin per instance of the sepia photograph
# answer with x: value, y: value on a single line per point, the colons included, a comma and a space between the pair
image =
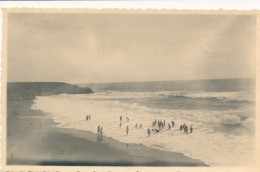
x: 124, y: 88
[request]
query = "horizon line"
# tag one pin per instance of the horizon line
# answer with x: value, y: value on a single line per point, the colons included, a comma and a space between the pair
x: 110, y: 82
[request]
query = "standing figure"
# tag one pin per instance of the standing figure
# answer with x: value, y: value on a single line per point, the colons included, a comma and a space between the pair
x: 141, y: 126
x: 191, y: 129
x: 87, y: 117
x: 127, y: 130
x: 149, y: 132
x: 98, y: 129
x: 184, y: 127
x: 120, y: 118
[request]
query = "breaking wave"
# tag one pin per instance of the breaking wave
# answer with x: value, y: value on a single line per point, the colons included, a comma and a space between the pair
x: 215, y: 136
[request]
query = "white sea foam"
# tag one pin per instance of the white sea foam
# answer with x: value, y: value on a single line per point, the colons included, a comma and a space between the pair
x: 225, y: 96
x: 205, y: 143
x: 238, y: 96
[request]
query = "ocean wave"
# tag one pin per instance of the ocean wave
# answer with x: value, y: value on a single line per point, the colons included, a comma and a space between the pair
x: 231, y: 96
x: 70, y: 110
x: 249, y: 123
x: 221, y: 96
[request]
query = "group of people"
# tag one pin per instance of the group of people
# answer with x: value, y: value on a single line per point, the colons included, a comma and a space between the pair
x: 88, y: 117
x: 184, y: 127
x: 161, y: 124
x: 156, y: 124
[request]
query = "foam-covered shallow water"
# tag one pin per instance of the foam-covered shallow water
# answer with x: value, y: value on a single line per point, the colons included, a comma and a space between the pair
x: 221, y: 136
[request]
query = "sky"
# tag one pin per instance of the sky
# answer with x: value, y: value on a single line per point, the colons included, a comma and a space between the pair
x: 90, y: 48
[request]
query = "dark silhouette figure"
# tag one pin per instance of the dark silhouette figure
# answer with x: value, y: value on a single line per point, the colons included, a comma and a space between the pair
x: 99, y: 134
x: 127, y: 130
x: 98, y: 129
x: 191, y: 129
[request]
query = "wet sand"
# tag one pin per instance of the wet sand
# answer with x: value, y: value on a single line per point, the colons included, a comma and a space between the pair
x: 34, y: 139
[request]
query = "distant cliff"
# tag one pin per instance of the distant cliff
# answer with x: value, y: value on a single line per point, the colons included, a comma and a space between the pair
x: 29, y: 90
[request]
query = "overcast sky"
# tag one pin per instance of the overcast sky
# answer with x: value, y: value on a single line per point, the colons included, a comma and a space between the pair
x: 86, y: 48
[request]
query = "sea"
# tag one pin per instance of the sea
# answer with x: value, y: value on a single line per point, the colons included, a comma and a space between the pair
x: 220, y: 111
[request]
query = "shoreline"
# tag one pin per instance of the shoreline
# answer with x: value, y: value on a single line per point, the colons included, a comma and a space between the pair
x: 34, y: 139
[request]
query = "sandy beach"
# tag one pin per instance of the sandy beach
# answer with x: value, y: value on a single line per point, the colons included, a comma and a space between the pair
x: 34, y: 139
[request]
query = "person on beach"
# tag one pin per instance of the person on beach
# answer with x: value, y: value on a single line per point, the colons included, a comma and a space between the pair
x: 169, y: 126
x: 186, y: 129
x: 140, y: 126
x: 191, y: 129
x: 87, y: 117
x: 172, y: 123
x: 120, y: 118
x: 127, y: 130
x: 148, y: 132
x: 181, y: 127
x: 136, y: 125
x: 98, y: 129
x: 100, y: 134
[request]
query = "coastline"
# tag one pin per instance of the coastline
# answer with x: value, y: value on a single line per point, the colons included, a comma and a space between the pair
x: 34, y: 139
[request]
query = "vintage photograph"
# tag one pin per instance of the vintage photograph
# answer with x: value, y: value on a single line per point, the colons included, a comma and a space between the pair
x: 129, y: 88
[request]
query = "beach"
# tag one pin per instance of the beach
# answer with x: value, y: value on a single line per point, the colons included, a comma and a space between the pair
x: 89, y: 89
x: 34, y: 139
